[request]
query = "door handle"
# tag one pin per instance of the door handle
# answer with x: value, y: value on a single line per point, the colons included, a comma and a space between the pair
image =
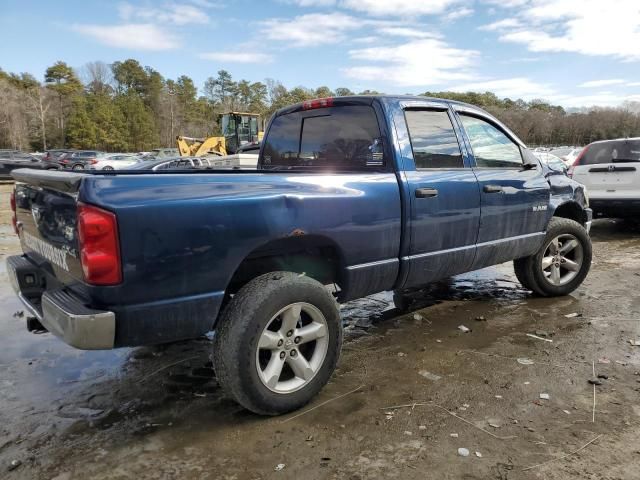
x: 492, y: 189
x: 426, y: 192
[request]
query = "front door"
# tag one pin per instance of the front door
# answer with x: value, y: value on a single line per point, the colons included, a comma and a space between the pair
x: 513, y: 199
x: 444, y: 200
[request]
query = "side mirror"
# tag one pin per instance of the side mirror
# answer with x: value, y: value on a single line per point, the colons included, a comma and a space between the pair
x: 530, y: 161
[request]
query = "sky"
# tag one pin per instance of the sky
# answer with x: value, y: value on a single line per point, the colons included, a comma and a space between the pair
x: 570, y: 52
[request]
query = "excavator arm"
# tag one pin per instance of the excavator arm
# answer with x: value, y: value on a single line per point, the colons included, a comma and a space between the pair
x: 197, y: 147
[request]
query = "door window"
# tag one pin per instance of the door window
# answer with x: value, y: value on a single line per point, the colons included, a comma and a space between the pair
x: 433, y: 139
x: 491, y: 147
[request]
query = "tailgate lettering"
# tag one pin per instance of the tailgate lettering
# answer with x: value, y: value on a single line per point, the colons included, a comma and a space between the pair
x: 55, y: 255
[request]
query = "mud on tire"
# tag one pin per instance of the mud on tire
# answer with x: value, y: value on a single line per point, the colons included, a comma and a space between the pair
x: 252, y: 323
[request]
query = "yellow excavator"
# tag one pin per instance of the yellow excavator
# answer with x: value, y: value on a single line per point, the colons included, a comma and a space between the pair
x: 239, y: 129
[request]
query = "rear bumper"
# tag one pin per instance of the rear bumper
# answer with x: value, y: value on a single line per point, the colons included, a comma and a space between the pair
x: 615, y: 208
x: 73, y: 320
x: 60, y: 312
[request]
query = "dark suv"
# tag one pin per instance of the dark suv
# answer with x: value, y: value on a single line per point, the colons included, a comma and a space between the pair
x: 81, y: 159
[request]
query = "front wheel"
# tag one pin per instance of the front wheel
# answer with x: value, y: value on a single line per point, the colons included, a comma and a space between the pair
x: 108, y: 167
x: 561, y: 264
x: 78, y: 166
x: 277, y: 343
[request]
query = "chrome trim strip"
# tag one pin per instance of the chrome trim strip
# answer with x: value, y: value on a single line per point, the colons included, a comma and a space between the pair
x: 510, y: 239
x: 437, y: 252
x: 377, y: 263
x: 467, y: 247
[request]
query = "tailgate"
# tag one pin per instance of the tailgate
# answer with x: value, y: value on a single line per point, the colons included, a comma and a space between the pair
x: 610, y: 179
x: 46, y: 214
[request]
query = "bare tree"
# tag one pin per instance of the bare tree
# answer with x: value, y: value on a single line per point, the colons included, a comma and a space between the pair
x: 98, y: 77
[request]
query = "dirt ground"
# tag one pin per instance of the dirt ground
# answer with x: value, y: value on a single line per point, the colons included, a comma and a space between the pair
x: 157, y: 412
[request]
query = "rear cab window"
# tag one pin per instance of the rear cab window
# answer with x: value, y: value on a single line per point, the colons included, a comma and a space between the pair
x: 341, y: 138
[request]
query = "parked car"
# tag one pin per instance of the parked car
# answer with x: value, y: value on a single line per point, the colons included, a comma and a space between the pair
x: 352, y: 196
x: 610, y: 169
x: 80, y: 160
x: 567, y: 154
x: 116, y: 161
x: 12, y: 159
x: 51, y: 158
x: 159, y: 153
x: 177, y: 163
x: 551, y: 161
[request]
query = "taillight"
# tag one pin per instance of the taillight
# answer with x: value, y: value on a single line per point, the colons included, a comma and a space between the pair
x: 317, y: 103
x: 14, y: 216
x: 64, y: 160
x: 93, y: 161
x: 577, y: 161
x: 99, y: 246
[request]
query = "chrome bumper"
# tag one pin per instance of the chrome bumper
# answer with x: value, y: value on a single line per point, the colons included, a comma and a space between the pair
x: 63, y: 314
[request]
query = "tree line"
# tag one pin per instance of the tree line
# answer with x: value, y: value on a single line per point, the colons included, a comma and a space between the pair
x: 126, y: 106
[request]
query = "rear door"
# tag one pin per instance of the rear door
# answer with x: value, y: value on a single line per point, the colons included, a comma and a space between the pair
x: 443, y: 197
x: 611, y: 171
x: 513, y: 200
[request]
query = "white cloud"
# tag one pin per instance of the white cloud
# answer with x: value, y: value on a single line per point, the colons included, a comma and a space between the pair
x: 313, y: 3
x: 501, y: 24
x: 407, y: 32
x: 237, y: 57
x: 588, y: 27
x: 173, y: 13
x: 403, y: 8
x: 134, y: 36
x: 514, y: 88
x: 405, y: 65
x: 602, y: 83
x: 399, y: 7
x: 458, y: 14
x: 311, y: 29
x: 633, y: 84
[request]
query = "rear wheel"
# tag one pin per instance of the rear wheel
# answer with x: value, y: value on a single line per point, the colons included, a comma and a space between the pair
x: 108, y: 167
x: 277, y: 343
x: 78, y: 166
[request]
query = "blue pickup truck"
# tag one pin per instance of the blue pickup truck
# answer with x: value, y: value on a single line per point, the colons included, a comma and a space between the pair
x: 351, y: 196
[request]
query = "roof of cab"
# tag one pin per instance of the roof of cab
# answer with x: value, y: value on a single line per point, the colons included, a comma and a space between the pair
x: 369, y: 99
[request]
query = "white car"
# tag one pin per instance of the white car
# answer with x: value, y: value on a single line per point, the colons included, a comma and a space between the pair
x: 553, y: 162
x: 610, y: 169
x: 567, y: 154
x: 116, y: 161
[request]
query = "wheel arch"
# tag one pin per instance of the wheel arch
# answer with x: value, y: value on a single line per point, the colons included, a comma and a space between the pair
x: 316, y: 256
x: 571, y: 210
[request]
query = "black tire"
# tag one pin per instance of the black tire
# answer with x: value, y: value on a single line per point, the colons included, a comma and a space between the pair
x: 401, y: 301
x: 524, y: 273
x: 532, y: 270
x: 241, y: 326
x: 108, y: 167
x: 78, y: 166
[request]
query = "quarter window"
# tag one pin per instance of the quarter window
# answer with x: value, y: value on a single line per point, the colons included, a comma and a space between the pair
x: 491, y: 147
x: 433, y: 139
